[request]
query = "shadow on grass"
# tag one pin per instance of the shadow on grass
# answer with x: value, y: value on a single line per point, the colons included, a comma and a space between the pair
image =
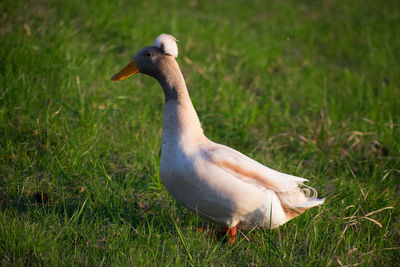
x: 83, y: 209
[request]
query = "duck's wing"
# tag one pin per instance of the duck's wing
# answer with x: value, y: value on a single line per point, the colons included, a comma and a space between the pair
x: 243, y: 166
x: 284, y: 185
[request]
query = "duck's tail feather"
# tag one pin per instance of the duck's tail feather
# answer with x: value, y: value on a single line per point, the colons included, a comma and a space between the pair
x: 311, y: 203
x: 311, y: 195
x: 303, y: 198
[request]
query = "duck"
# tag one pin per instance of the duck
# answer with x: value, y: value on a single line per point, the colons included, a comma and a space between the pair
x: 211, y: 180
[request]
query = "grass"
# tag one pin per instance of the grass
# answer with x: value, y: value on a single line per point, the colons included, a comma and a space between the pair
x: 310, y: 88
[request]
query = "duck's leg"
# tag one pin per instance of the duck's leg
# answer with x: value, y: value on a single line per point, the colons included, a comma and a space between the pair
x: 230, y: 233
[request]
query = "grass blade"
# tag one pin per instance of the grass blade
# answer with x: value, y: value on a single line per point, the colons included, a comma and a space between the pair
x: 183, y: 242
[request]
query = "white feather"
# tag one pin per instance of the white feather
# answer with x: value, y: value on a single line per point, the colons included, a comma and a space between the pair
x: 167, y: 43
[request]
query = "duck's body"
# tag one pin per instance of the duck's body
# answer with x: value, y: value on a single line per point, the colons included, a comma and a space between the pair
x: 214, y: 181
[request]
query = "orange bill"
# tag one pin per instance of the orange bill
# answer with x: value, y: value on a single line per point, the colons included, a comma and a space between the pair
x: 129, y: 70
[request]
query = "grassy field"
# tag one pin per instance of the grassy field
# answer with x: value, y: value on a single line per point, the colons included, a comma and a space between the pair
x: 310, y: 88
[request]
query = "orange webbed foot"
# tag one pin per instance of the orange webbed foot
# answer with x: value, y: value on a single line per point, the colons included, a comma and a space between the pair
x: 230, y: 233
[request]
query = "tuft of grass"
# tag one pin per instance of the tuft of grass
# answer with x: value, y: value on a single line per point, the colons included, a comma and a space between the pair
x: 308, y: 88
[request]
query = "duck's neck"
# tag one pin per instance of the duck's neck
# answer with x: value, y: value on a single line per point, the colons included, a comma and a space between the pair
x: 180, y: 120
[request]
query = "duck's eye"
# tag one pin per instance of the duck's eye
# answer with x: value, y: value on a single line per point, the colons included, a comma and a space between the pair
x: 148, y: 54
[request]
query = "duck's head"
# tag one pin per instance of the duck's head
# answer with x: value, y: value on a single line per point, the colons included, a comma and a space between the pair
x: 151, y: 60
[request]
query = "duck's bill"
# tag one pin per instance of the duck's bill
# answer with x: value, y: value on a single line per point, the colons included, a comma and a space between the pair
x: 129, y: 70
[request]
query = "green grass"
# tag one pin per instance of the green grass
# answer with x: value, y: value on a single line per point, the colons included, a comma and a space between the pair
x: 310, y: 88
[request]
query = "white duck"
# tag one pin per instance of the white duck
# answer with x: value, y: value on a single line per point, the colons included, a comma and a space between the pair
x: 215, y: 181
